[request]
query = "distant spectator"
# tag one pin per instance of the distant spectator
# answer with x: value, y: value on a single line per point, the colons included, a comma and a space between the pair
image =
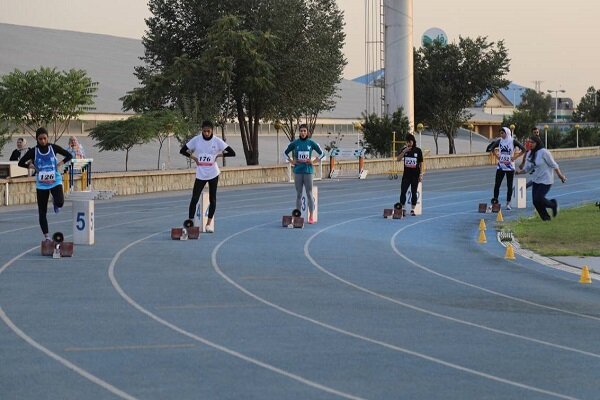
x: 75, y: 148
x: 20, y: 150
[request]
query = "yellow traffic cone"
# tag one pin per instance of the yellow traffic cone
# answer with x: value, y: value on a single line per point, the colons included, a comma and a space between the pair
x: 482, y: 225
x: 585, y: 275
x: 482, y: 238
x: 499, y: 218
x: 510, y: 252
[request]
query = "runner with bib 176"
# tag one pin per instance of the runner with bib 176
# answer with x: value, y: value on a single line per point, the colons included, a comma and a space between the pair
x: 204, y: 150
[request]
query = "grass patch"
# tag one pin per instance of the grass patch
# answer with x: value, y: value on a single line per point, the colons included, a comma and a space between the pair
x: 574, y: 232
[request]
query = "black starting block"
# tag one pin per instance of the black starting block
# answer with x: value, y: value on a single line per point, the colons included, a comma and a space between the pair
x: 189, y: 231
x: 394, y: 213
x: 57, y: 247
x: 483, y: 208
x: 496, y: 205
x: 293, y: 221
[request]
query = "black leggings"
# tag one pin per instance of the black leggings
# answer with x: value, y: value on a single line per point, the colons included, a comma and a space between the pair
x: 43, y: 195
x: 540, y: 202
x: 413, y: 182
x: 212, y: 196
x: 509, y: 183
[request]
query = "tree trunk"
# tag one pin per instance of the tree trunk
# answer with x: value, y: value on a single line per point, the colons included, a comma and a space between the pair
x: 160, y: 145
x: 451, y: 146
x: 243, y: 127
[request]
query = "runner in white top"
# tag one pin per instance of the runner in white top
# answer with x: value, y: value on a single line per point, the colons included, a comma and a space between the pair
x: 506, y: 156
x: 204, y: 149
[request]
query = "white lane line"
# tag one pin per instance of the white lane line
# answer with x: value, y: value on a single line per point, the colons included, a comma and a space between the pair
x: 269, y: 367
x: 455, y: 280
x: 130, y: 347
x: 92, y: 378
x: 365, y: 338
x: 424, y: 310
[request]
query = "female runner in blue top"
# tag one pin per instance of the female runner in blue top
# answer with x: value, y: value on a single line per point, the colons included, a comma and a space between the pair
x: 48, y: 174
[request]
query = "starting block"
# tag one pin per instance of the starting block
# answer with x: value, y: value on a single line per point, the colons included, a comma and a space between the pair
x: 293, y: 221
x: 394, y: 213
x: 483, y: 208
x: 189, y: 231
x: 57, y: 247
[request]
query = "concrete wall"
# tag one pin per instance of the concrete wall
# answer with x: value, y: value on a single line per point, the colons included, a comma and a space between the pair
x: 22, y: 190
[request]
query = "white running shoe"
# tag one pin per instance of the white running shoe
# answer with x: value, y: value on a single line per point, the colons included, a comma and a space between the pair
x: 208, y: 229
x: 508, y: 207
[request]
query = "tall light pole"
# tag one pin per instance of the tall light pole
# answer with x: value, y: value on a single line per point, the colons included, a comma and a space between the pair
x: 577, y: 135
x: 514, y: 91
x: 278, y: 125
x: 471, y: 127
x: 420, y: 129
x: 556, y: 101
x: 546, y: 136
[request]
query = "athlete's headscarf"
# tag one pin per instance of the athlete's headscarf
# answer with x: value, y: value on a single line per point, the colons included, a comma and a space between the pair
x: 508, y: 141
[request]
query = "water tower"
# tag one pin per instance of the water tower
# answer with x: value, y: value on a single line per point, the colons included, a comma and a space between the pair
x: 389, y: 47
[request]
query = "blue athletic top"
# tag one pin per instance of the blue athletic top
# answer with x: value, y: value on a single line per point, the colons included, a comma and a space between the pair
x: 44, y: 159
x: 302, y: 149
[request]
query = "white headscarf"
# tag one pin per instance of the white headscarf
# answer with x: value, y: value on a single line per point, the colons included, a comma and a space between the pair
x: 508, y: 142
x: 507, y: 148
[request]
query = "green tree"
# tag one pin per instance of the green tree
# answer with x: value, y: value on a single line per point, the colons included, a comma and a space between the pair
x: 202, y: 54
x: 537, y: 104
x: 449, y: 78
x: 122, y: 135
x: 310, y: 67
x: 378, y: 132
x: 46, y: 97
x: 5, y: 135
x: 163, y: 123
x: 588, y: 136
x: 523, y: 120
x: 588, y: 109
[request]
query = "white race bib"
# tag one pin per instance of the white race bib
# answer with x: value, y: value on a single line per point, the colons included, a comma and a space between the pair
x: 304, y: 155
x: 410, y: 162
x: 47, y: 176
x: 206, y: 159
x: 505, y: 158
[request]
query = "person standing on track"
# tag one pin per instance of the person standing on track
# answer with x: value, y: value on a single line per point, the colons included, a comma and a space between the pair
x: 48, y: 175
x: 413, y: 171
x: 302, y: 149
x: 541, y: 165
x: 506, y: 157
x: 204, y: 150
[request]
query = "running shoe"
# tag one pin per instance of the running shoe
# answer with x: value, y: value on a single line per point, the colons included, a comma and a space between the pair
x: 508, y: 207
x: 56, y: 209
x: 208, y: 229
x: 554, y: 207
x: 412, y: 212
x: 311, y: 220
